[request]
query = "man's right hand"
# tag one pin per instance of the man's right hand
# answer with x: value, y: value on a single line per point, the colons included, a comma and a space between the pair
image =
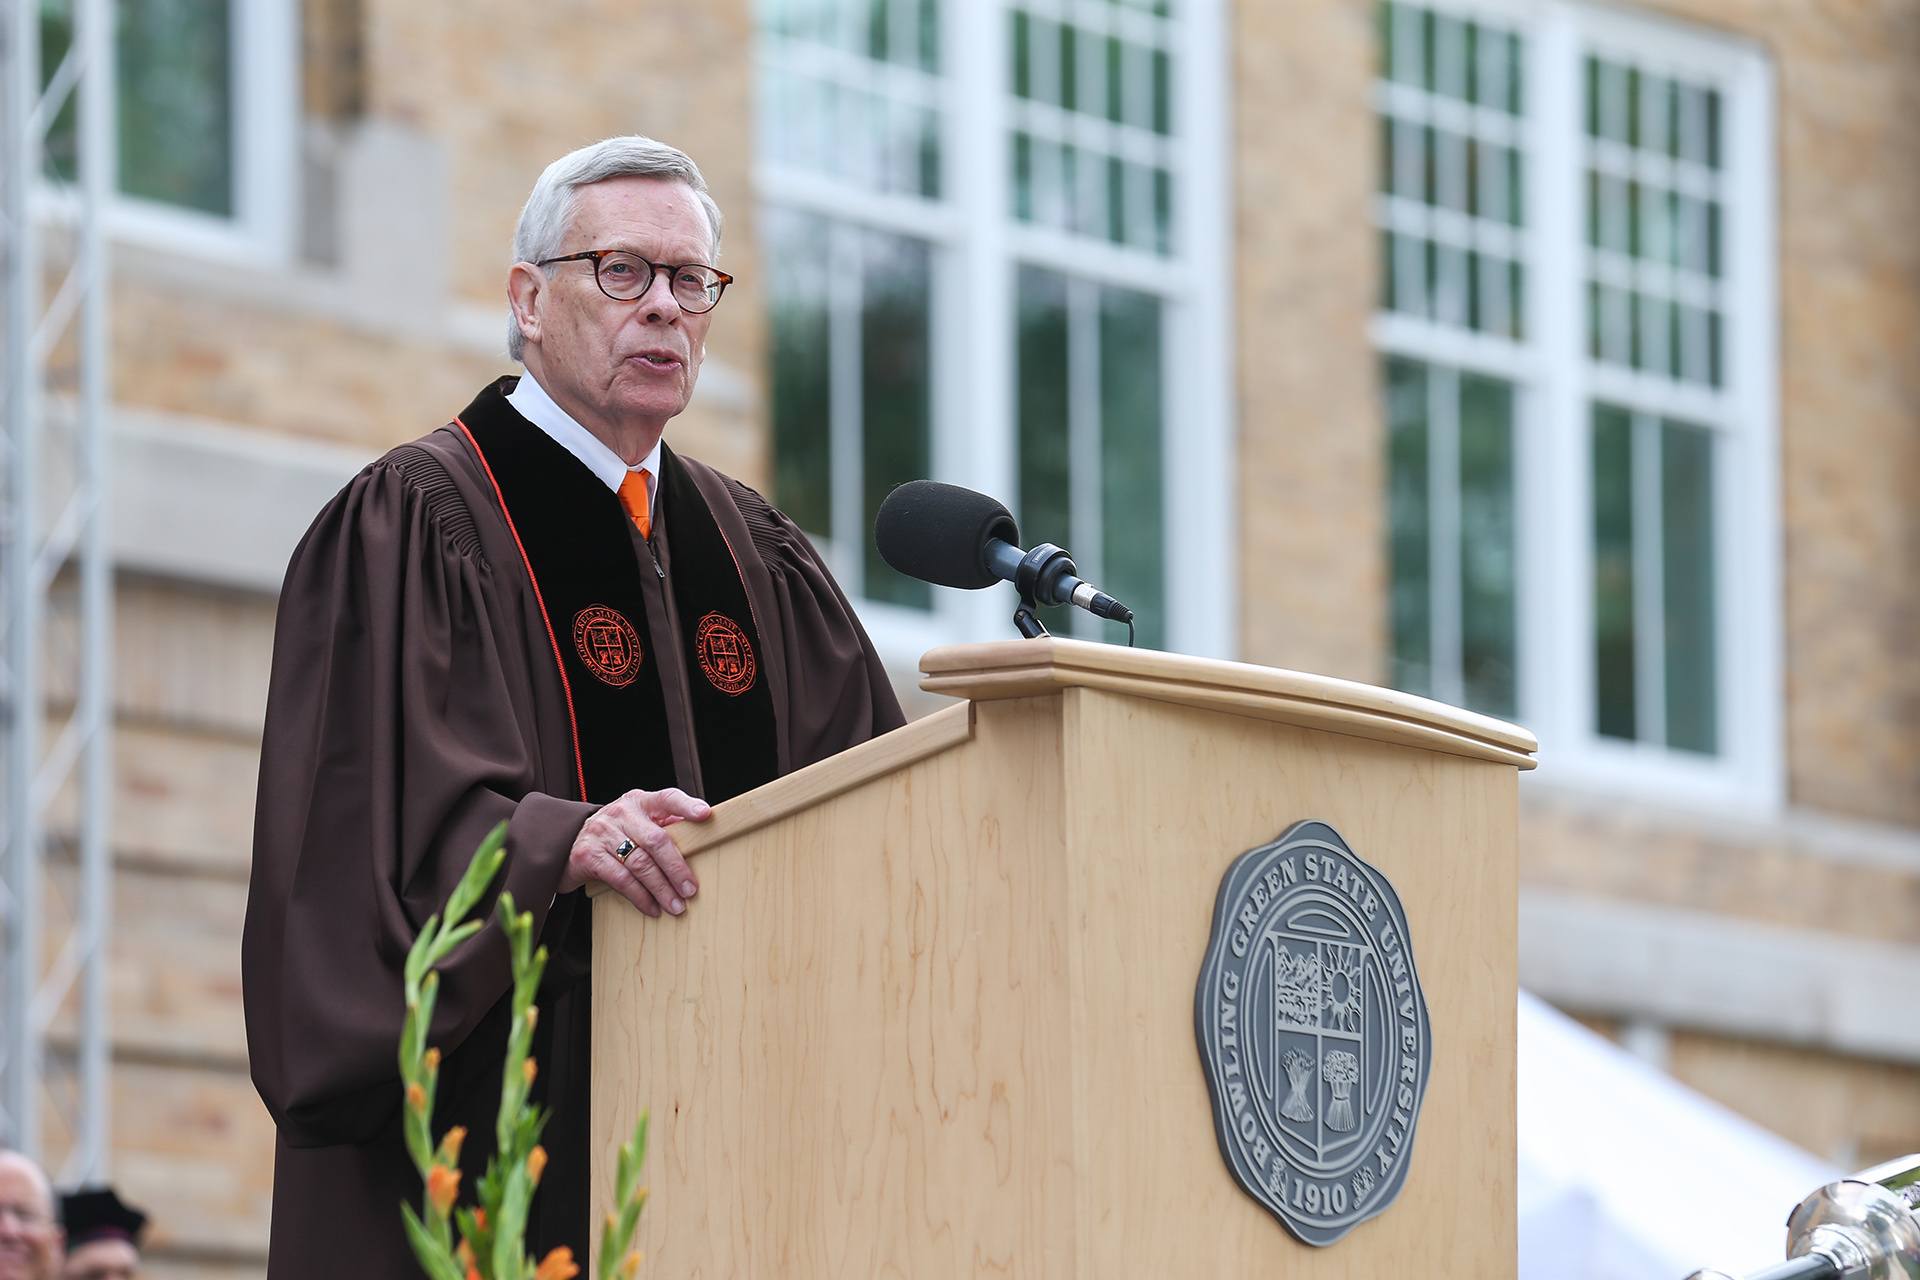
x: 654, y: 877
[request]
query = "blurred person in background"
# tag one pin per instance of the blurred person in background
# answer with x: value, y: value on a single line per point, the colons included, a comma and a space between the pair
x: 103, y: 1235
x: 29, y: 1234
x: 538, y: 614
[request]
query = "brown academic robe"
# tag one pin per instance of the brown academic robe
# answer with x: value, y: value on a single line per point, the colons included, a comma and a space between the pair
x: 414, y: 703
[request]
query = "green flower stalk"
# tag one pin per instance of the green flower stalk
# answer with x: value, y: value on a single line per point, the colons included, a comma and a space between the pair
x: 492, y: 1231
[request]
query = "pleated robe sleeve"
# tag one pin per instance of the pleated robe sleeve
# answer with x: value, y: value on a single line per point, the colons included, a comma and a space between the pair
x: 400, y: 728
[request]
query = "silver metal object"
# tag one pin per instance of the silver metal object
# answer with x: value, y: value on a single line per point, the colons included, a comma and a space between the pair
x: 55, y: 589
x: 1863, y: 1228
x: 1860, y: 1228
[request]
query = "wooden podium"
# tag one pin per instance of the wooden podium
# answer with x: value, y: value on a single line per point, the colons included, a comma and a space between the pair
x: 933, y: 1012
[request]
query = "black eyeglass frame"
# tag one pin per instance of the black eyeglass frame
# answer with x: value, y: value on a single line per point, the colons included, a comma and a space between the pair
x: 597, y: 256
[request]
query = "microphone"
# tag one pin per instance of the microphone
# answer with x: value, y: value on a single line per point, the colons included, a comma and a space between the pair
x: 954, y: 537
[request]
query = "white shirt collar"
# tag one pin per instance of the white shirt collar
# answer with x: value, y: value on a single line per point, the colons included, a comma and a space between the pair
x: 532, y: 402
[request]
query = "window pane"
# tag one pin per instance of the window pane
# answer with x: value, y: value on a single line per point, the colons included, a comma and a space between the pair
x: 1132, y: 515
x: 1458, y: 270
x: 1613, y: 572
x: 1069, y: 69
x: 175, y: 100
x: 1451, y: 550
x: 1487, y: 604
x: 831, y: 108
x: 56, y: 37
x: 1043, y: 401
x: 800, y: 355
x: 827, y: 286
x: 176, y: 103
x: 1653, y: 226
x: 1105, y: 344
x: 1686, y: 499
x: 1408, y: 550
x: 895, y: 395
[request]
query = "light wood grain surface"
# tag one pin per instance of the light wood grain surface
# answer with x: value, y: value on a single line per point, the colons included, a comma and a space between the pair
x: 1035, y: 668
x: 940, y: 1023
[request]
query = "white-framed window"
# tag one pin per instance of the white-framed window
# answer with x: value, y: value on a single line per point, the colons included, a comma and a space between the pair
x: 205, y: 107
x: 996, y: 255
x: 1577, y: 330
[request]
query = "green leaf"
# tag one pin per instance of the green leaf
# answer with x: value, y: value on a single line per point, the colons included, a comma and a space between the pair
x: 434, y: 1258
x: 418, y: 953
x: 480, y: 873
x: 418, y: 1134
x: 617, y: 1236
x: 508, y: 1250
x: 454, y: 937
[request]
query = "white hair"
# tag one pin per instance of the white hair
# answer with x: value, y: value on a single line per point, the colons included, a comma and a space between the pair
x: 548, y: 214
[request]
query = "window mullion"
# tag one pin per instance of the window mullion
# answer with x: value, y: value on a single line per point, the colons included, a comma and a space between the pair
x: 1200, y: 483
x: 1446, y: 613
x: 975, y: 416
x: 845, y: 462
x: 1649, y: 583
x: 1557, y: 654
x: 1086, y: 503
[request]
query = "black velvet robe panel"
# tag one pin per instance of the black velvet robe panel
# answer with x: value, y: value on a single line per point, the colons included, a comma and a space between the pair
x: 414, y: 702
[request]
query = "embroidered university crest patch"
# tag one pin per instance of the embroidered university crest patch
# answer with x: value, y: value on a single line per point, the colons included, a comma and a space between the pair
x: 608, y: 644
x: 1313, y: 1032
x: 726, y: 655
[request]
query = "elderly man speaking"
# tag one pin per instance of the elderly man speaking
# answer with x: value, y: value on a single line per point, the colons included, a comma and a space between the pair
x: 539, y: 613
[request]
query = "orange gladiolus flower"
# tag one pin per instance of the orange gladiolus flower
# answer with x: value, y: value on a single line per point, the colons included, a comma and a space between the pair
x: 416, y: 1097
x: 536, y: 1163
x: 529, y: 1069
x: 452, y: 1143
x: 443, y: 1184
x: 630, y: 1265
x: 558, y: 1265
x: 433, y: 1059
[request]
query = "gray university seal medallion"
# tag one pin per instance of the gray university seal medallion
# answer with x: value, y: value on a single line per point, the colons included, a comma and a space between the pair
x: 1313, y: 1032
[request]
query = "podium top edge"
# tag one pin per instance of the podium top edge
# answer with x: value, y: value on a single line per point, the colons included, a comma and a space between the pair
x: 1038, y: 668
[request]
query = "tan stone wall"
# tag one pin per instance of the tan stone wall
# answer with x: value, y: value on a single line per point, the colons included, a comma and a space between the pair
x: 490, y: 91
x: 1311, y: 458
x: 191, y: 1141
x: 1777, y: 874
x: 1853, y: 1112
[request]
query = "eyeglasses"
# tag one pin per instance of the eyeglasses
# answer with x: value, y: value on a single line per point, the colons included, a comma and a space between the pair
x: 625, y: 276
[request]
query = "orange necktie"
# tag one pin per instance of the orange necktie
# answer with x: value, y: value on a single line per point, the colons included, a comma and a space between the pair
x: 633, y: 496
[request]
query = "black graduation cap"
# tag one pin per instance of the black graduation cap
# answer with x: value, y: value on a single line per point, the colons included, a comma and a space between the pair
x: 96, y: 1213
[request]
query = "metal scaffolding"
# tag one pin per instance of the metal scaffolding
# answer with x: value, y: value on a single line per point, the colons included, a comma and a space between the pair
x: 56, y: 574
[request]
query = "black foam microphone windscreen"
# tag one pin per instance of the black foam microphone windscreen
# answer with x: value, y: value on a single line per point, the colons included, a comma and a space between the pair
x: 937, y: 532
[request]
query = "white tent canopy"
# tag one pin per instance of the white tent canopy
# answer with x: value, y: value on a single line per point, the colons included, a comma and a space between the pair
x: 1626, y: 1174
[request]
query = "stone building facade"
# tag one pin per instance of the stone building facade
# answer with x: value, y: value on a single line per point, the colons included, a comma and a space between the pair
x: 1186, y: 205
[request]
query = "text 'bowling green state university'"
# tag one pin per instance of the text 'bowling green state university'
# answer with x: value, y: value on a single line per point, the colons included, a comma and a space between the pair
x: 1313, y: 1031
